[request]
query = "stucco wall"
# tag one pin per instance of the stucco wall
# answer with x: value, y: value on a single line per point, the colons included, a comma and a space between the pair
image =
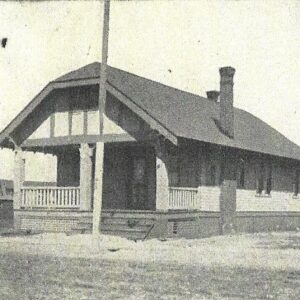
x: 247, y: 200
x: 281, y: 197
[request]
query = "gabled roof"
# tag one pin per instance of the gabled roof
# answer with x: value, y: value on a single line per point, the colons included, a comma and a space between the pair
x: 186, y: 115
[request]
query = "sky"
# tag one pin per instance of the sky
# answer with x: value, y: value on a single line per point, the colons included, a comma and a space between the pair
x: 193, y: 39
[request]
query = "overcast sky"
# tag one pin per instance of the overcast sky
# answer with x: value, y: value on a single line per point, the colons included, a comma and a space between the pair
x: 261, y: 39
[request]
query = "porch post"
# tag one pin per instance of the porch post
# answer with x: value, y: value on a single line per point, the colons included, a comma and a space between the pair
x: 228, y: 193
x: 19, y: 177
x: 98, y: 187
x: 162, y: 179
x: 86, y: 154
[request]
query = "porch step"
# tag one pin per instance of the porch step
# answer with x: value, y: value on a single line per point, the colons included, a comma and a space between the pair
x: 127, y: 221
x: 131, y: 228
x: 125, y: 234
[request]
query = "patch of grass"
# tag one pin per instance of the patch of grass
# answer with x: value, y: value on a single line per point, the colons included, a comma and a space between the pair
x: 44, y: 277
x: 277, y: 242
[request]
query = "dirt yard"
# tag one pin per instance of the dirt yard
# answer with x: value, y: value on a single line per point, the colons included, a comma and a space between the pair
x: 48, y: 266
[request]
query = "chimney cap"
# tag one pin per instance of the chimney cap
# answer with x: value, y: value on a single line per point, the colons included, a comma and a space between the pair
x: 227, y: 71
x: 213, y: 95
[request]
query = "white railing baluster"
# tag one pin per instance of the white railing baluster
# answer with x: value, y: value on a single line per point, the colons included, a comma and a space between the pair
x: 50, y: 197
x: 183, y: 198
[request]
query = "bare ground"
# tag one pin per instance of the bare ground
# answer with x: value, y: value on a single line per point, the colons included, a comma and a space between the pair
x: 262, y: 266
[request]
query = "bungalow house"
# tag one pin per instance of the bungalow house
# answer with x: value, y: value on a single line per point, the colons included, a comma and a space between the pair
x: 175, y: 163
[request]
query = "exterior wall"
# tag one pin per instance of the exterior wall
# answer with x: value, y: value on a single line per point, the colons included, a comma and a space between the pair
x: 248, y: 200
x: 164, y: 225
x: 210, y: 198
x: 49, y: 221
x: 281, y: 198
x: 6, y: 189
x: 68, y: 168
x: 267, y: 221
x: 6, y: 214
x: 197, y: 166
x: 189, y: 166
x: 6, y: 204
x: 193, y: 225
x: 194, y: 170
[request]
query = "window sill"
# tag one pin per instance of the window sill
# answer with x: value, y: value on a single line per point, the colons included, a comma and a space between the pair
x: 296, y: 197
x: 262, y: 195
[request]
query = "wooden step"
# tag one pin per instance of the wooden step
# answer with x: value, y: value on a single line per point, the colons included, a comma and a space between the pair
x: 85, y: 225
x: 135, y: 228
x: 127, y: 221
x: 114, y: 225
x: 127, y: 235
x: 111, y: 227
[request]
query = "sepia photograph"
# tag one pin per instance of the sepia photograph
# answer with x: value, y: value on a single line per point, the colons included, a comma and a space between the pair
x: 150, y: 149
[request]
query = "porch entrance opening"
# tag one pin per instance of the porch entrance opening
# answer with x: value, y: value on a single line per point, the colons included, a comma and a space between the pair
x: 129, y: 177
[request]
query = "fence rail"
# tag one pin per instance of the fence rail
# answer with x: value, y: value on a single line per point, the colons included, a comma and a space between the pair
x: 50, y: 197
x: 184, y: 198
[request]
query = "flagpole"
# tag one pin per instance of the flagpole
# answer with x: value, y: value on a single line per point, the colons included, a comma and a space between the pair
x: 99, y: 156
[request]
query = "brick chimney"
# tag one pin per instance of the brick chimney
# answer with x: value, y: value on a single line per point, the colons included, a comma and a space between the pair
x: 226, y: 101
x: 213, y: 95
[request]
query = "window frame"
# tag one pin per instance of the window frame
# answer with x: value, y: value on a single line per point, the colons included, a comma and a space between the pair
x: 241, y: 174
x: 296, y: 184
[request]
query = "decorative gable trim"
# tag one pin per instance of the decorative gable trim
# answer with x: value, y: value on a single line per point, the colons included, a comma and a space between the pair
x: 153, y: 123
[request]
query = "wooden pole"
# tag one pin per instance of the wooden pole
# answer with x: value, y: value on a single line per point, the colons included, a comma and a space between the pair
x: 99, y: 157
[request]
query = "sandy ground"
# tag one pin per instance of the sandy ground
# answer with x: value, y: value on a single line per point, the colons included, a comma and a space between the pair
x: 275, y: 251
x: 56, y: 266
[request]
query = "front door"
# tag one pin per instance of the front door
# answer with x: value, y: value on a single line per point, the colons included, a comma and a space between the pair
x: 138, y: 194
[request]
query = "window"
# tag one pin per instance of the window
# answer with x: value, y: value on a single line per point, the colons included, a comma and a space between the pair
x: 241, y: 174
x: 296, y: 183
x: 264, y: 178
x: 260, y: 178
x: 212, y: 175
x: 269, y: 179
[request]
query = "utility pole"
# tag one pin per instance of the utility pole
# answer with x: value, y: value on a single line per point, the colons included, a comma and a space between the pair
x: 99, y: 157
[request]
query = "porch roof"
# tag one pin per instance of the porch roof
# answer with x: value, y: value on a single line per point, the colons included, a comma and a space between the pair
x: 174, y: 113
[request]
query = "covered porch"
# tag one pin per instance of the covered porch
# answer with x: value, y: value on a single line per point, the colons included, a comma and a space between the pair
x: 138, y: 199
x: 136, y: 178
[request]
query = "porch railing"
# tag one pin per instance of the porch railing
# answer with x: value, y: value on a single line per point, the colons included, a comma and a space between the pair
x: 50, y: 197
x: 184, y: 198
